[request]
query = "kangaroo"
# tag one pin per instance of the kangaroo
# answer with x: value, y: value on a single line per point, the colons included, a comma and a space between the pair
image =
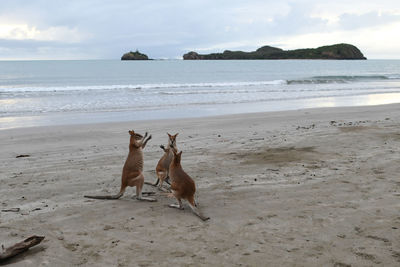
x: 182, y: 186
x: 162, y: 167
x: 132, y: 172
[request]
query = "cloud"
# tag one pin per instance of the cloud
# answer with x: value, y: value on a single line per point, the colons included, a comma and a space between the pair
x: 26, y: 32
x: 371, y: 19
x: 33, y: 49
x: 107, y: 28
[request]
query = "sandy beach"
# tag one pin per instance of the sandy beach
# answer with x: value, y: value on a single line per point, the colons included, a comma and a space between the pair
x: 316, y: 187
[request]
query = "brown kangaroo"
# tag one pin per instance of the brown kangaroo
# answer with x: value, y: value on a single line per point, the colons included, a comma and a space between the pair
x: 182, y: 186
x: 162, y: 167
x: 132, y: 172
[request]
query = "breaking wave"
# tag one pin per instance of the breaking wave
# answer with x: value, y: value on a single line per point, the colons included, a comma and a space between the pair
x: 139, y: 86
x: 343, y: 79
x: 162, y: 86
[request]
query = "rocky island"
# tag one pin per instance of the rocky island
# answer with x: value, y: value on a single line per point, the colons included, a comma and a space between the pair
x: 336, y: 51
x: 134, y: 56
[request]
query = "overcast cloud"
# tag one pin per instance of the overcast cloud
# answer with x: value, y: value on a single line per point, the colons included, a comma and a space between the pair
x: 89, y: 29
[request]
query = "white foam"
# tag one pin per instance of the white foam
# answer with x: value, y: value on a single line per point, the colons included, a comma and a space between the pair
x: 137, y: 86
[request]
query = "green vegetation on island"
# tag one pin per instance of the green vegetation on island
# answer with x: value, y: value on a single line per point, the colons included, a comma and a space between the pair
x: 336, y: 51
x: 134, y: 56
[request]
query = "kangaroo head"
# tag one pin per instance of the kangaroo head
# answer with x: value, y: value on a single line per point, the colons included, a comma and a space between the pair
x: 137, y: 136
x: 172, y: 140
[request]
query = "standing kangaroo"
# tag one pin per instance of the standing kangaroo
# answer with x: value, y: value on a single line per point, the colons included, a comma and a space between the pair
x: 182, y: 186
x: 132, y: 172
x: 162, y: 167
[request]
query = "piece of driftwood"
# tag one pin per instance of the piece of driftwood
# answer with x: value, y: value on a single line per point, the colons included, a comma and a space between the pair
x: 20, y: 247
x: 11, y: 210
x: 23, y: 156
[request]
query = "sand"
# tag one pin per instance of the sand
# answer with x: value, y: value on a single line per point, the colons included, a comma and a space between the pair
x: 316, y: 187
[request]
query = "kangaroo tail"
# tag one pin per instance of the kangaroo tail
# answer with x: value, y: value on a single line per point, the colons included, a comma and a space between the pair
x: 106, y: 197
x: 155, y: 184
x: 192, y: 205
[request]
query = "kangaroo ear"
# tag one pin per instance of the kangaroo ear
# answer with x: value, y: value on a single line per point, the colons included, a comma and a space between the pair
x: 176, y: 135
x: 169, y: 135
x: 180, y: 153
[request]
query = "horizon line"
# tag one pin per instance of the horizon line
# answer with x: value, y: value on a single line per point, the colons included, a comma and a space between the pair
x: 177, y: 59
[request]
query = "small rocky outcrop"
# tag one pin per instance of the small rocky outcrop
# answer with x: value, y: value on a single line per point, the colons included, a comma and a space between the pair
x: 192, y: 56
x: 134, y: 56
x: 337, y: 51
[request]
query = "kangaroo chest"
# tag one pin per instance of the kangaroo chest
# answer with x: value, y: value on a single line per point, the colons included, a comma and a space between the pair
x: 168, y: 159
x: 134, y: 161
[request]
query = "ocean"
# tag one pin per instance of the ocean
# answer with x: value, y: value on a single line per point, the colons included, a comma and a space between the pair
x: 36, y: 93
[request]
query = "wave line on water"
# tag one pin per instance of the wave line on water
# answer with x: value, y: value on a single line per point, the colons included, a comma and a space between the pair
x: 154, y: 86
x: 343, y: 79
x: 138, y: 86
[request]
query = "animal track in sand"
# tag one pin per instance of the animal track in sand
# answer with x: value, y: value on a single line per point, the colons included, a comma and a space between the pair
x: 393, y: 136
x: 280, y: 155
x: 350, y: 129
x: 396, y: 255
x: 341, y: 264
x: 367, y: 256
x: 378, y: 238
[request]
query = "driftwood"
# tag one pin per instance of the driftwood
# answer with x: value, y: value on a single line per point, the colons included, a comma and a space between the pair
x: 11, y: 210
x: 20, y: 247
x: 23, y: 156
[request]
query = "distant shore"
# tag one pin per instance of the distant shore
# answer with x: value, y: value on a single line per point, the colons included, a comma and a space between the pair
x: 336, y: 51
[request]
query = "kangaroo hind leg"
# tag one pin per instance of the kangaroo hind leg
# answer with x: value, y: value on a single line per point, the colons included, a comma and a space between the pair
x: 178, y: 206
x: 139, y: 181
x: 162, y: 175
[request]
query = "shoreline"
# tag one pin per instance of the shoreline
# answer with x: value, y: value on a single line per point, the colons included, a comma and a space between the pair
x: 192, y: 112
x: 316, y: 186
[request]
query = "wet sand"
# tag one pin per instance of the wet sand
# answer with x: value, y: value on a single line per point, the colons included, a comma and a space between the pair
x: 317, y: 187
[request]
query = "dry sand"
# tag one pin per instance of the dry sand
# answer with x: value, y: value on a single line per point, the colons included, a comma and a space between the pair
x: 313, y: 187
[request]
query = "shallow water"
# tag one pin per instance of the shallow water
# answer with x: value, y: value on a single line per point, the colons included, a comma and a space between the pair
x: 67, y: 92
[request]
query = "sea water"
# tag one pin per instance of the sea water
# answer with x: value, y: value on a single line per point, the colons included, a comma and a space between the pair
x: 34, y: 93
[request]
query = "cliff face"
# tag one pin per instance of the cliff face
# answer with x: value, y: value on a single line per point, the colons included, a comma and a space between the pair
x: 337, y: 51
x: 134, y: 56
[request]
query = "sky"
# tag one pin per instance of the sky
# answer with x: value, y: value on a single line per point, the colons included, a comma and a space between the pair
x: 105, y: 29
